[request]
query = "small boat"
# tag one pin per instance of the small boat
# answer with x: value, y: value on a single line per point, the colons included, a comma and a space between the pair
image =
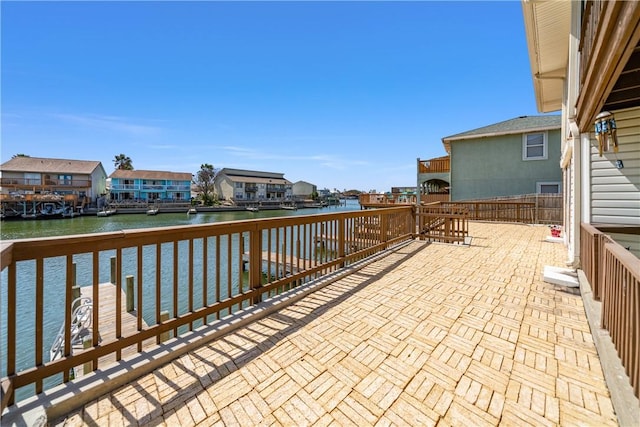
x: 106, y: 212
x: 192, y: 211
x: 152, y: 211
x: 253, y: 208
x: 291, y: 207
x: 50, y: 210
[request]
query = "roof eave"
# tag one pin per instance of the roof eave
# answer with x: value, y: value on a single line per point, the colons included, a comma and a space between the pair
x: 547, y: 29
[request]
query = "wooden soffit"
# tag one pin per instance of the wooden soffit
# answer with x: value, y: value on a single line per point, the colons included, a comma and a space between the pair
x: 547, y: 28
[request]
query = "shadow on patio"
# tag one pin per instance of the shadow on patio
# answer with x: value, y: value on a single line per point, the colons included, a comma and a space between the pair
x: 430, y: 334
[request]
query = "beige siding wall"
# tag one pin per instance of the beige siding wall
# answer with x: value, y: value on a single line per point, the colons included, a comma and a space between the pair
x: 223, y: 187
x: 615, y: 193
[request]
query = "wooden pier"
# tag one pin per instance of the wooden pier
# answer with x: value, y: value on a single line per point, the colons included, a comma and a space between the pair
x: 107, y: 322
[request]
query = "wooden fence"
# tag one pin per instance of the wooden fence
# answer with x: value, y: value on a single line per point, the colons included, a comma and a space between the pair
x: 528, y: 208
x: 500, y: 211
x: 614, y: 275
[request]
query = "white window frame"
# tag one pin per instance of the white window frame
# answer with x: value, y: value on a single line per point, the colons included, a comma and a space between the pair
x: 544, y: 146
x: 540, y: 184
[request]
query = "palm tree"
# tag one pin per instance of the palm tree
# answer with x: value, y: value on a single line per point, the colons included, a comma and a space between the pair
x: 122, y: 161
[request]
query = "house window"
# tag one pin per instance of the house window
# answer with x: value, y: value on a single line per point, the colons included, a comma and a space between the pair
x: 548, y: 187
x: 534, y: 146
x: 64, y: 179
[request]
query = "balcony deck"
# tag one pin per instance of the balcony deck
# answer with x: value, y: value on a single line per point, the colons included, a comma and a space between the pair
x: 431, y: 334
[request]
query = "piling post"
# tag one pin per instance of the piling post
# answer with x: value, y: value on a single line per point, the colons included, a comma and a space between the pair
x: 75, y: 292
x: 129, y: 279
x: 75, y: 289
x: 87, y: 342
x: 164, y: 316
x: 113, y: 269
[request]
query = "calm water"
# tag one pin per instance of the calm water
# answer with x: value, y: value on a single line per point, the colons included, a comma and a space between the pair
x: 18, y: 229
x: 55, y: 273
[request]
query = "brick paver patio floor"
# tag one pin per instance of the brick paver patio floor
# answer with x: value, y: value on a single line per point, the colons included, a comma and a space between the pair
x: 430, y: 335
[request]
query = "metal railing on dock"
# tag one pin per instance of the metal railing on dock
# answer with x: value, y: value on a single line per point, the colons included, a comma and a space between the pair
x: 182, y: 277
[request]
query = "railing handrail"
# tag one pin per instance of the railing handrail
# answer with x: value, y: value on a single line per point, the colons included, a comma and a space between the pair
x: 437, y: 165
x: 48, y: 182
x: 346, y: 237
x: 614, y: 275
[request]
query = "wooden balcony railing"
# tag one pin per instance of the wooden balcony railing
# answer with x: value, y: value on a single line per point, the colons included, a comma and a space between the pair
x: 43, y: 184
x: 441, y: 223
x: 615, y: 273
x: 590, y: 19
x: 183, y: 278
x: 437, y: 165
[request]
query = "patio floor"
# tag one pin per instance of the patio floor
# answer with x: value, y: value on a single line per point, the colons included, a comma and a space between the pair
x: 432, y: 334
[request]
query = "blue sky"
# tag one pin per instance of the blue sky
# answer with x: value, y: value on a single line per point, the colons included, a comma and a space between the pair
x: 344, y: 95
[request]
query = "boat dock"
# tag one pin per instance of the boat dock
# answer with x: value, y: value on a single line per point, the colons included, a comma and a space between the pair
x: 107, y: 321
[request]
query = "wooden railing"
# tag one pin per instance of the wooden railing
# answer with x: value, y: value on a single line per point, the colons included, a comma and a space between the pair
x: 183, y: 278
x: 440, y: 223
x: 437, y: 165
x: 500, y: 211
x: 590, y: 19
x: 615, y: 273
x: 434, y: 197
x: 43, y: 184
x: 590, y: 250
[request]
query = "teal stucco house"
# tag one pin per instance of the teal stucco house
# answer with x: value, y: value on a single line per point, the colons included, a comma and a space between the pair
x: 513, y: 157
x: 150, y: 186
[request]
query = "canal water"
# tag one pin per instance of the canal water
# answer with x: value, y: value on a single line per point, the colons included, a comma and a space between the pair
x: 55, y: 270
x: 26, y: 229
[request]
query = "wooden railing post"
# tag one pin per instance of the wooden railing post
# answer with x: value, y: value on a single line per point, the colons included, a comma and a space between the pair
x: 164, y: 316
x: 255, y: 262
x: 341, y: 239
x: 384, y: 227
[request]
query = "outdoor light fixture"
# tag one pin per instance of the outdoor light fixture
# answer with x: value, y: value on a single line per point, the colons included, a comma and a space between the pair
x: 606, y: 135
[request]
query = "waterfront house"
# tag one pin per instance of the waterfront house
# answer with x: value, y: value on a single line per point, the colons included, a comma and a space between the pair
x: 303, y: 189
x: 246, y: 185
x: 585, y: 62
x: 150, y: 186
x: 37, y: 177
x: 513, y: 157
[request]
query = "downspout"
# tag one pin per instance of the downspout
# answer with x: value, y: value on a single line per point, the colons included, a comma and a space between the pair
x: 576, y: 154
